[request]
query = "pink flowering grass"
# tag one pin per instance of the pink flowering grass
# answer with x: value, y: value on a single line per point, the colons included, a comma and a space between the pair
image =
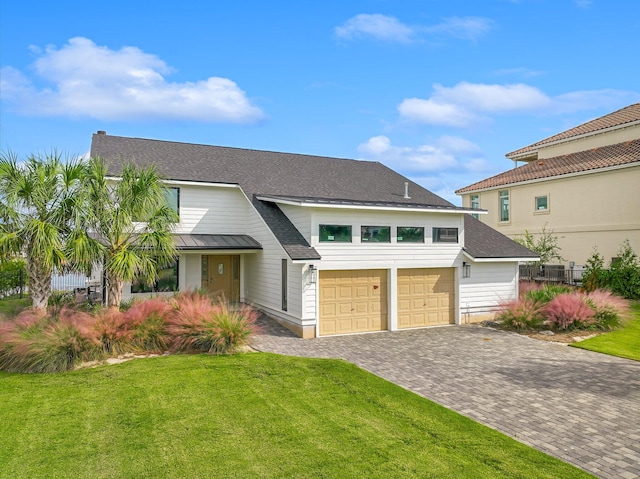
x: 36, y: 343
x: 525, y: 286
x: 569, y: 311
x: 112, y: 330
x: 522, y: 314
x: 199, y: 324
x: 147, y: 321
x: 611, y: 311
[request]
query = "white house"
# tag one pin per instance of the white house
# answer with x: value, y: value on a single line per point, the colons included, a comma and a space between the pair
x: 324, y: 245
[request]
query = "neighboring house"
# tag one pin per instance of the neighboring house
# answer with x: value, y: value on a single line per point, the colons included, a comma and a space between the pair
x: 324, y: 245
x: 583, y: 184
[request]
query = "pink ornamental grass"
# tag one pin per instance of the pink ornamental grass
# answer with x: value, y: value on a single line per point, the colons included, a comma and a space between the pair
x: 569, y: 310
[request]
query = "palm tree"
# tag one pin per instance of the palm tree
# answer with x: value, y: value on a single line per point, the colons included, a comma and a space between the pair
x: 39, y: 204
x: 127, y: 224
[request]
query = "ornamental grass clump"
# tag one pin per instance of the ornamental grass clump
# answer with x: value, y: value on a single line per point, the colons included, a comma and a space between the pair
x: 36, y: 343
x: 611, y: 311
x: 113, y: 331
x: 569, y: 311
x: 148, y: 322
x: 521, y: 315
x: 199, y: 324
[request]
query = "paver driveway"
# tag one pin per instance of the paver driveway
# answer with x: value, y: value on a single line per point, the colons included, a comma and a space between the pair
x: 580, y: 406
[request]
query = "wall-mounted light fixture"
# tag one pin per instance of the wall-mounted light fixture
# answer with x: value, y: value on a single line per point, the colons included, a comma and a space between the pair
x: 313, y: 274
x: 466, y: 270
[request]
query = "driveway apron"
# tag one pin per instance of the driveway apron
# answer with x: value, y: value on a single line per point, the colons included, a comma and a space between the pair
x: 580, y: 406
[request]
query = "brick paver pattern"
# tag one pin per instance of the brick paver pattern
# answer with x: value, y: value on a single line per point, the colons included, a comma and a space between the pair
x: 579, y: 406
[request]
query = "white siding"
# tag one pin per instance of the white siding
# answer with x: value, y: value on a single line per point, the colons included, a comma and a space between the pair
x: 490, y: 285
x: 300, y: 217
x: 263, y: 273
x: 212, y: 210
x: 378, y: 255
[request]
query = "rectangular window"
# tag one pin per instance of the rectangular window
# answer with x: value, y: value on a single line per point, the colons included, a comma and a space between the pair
x: 335, y: 234
x: 284, y: 284
x: 542, y: 203
x: 445, y: 235
x: 375, y: 234
x: 410, y: 234
x: 173, y: 199
x: 167, y: 281
x: 475, y: 203
x: 504, y: 205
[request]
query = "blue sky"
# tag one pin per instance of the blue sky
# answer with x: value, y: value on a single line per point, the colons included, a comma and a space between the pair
x: 437, y: 90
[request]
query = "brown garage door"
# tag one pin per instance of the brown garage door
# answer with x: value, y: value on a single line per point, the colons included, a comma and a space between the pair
x: 353, y: 301
x: 426, y: 297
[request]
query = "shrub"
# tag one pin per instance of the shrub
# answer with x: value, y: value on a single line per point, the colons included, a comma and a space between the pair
x: 622, y: 277
x: 568, y: 311
x: 112, y: 330
x: 525, y: 286
x: 523, y: 314
x: 37, y: 344
x: 148, y: 322
x: 200, y: 325
x: 59, y: 300
x: 610, y: 311
x: 13, y: 275
x: 547, y: 292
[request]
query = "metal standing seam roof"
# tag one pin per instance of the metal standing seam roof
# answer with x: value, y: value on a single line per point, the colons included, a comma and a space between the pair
x: 215, y: 242
x: 620, y: 154
x: 625, y: 115
x: 264, y: 173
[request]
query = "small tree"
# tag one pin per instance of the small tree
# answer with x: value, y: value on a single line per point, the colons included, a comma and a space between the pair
x: 594, y: 275
x: 622, y: 277
x: 130, y: 222
x: 545, y: 245
x: 39, y: 202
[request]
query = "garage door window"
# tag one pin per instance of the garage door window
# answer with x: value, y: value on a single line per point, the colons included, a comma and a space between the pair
x: 335, y: 234
x: 410, y: 234
x: 445, y: 235
x: 375, y: 234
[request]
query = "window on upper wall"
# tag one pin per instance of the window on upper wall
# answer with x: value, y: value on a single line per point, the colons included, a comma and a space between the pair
x: 335, y: 234
x: 167, y: 281
x: 475, y: 203
x: 375, y: 234
x: 173, y: 199
x: 542, y: 203
x: 410, y: 234
x: 445, y: 235
x: 503, y: 199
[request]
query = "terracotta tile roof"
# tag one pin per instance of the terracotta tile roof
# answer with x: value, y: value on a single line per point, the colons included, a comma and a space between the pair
x: 627, y: 114
x: 602, y: 157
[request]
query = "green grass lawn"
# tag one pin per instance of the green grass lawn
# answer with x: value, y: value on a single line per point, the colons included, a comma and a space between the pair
x: 624, y: 342
x: 11, y: 307
x: 250, y: 415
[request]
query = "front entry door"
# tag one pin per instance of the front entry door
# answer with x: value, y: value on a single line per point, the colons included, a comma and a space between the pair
x: 221, y: 276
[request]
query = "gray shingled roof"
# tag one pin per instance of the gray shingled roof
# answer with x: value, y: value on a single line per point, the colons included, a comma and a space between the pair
x: 265, y: 173
x: 204, y: 241
x: 484, y: 241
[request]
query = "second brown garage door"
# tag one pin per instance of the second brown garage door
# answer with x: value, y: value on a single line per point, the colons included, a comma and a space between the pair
x: 426, y: 297
x: 353, y: 301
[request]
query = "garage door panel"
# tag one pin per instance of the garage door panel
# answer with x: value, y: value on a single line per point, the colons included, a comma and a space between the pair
x: 425, y: 297
x: 358, y: 299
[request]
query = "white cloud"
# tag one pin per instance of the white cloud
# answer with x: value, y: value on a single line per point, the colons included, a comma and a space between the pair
x: 465, y: 28
x: 380, y: 27
x: 445, y: 154
x: 87, y: 80
x: 468, y: 103
x: 386, y: 28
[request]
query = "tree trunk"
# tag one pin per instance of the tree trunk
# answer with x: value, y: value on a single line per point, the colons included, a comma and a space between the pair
x: 114, y: 291
x: 39, y: 281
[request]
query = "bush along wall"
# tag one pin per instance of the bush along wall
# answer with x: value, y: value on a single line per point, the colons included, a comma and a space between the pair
x: 564, y: 308
x: 61, y: 338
